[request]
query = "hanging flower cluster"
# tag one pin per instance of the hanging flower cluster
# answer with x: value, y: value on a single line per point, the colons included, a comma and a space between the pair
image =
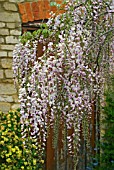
x: 58, y: 88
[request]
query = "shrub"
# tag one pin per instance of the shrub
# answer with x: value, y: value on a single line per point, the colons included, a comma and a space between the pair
x: 14, y: 155
x: 107, y: 143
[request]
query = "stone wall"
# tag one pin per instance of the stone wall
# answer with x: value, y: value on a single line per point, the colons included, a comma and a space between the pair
x: 11, y: 12
x: 10, y: 29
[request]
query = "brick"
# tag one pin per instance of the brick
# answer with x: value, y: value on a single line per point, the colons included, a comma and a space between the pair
x: 15, y: 32
x: 22, y: 8
x: 9, y: 73
x: 29, y: 11
x: 6, y: 63
x: 1, y: 74
x: 24, y: 18
x: 5, y: 107
x: 5, y: 98
x: 9, y: 17
x: 11, y: 25
x: 10, y: 6
x: 11, y: 40
x: 3, y: 54
x: 6, y: 89
x: 4, y: 32
x: 7, y: 47
x: 2, y: 24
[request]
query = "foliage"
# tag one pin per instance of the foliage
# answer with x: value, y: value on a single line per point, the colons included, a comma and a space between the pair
x: 13, y: 153
x: 43, y: 30
x: 107, y: 144
x: 59, y: 88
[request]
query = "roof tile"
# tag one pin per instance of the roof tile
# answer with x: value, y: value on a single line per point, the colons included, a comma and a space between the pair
x: 22, y: 8
x: 24, y: 18
x: 34, y: 7
x: 36, y: 15
x: 29, y: 11
x: 41, y: 9
x: 47, y: 9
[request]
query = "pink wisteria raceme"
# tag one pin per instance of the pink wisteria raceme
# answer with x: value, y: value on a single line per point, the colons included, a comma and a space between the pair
x: 60, y: 87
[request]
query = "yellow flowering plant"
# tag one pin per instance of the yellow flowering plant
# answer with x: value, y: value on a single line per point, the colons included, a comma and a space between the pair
x: 14, y: 155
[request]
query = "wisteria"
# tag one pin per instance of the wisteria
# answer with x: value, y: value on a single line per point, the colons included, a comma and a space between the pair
x: 60, y: 87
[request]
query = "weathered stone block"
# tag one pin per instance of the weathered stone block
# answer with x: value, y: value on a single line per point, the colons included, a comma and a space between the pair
x: 10, y: 6
x: 9, y: 73
x: 1, y: 74
x: 15, y: 32
x: 6, y: 63
x: 1, y: 40
x: 11, y: 25
x: 9, y: 17
x: 3, y: 54
x: 15, y: 98
x: 5, y: 107
x: 18, y: 25
x: 2, y: 24
x: 7, y: 89
x: 4, y: 32
x: 10, y: 54
x: 7, y: 47
x: 15, y: 106
x: 7, y: 81
x: 1, y: 7
x: 4, y: 98
x: 11, y: 40
x: 11, y: 0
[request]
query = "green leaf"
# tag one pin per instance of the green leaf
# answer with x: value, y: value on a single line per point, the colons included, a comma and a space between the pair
x: 44, y: 25
x: 39, y: 31
x: 45, y: 33
x: 53, y: 4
